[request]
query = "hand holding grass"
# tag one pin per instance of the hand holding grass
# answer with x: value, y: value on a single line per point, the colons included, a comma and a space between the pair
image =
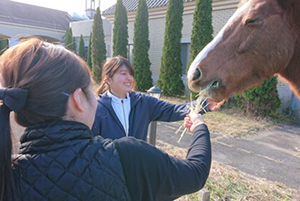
x: 192, y: 120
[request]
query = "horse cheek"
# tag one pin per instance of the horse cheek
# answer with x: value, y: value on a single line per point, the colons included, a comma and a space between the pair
x: 245, y: 45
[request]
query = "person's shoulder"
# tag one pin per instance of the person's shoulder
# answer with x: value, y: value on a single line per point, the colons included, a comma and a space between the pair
x: 136, y: 96
x: 103, y: 96
x: 101, y: 143
x: 103, y: 99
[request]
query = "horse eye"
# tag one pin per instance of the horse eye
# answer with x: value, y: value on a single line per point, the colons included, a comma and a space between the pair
x: 253, y: 21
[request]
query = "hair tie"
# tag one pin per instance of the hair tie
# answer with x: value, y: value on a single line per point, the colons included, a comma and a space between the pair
x: 14, y: 98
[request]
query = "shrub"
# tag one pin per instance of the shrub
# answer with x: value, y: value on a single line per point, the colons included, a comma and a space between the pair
x: 262, y: 100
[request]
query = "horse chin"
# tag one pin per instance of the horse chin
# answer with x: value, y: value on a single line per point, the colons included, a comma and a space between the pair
x: 216, y: 96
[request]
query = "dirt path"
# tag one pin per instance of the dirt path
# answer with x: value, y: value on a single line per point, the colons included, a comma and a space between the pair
x: 273, y: 154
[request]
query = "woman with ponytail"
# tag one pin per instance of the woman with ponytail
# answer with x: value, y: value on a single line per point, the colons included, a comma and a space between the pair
x: 50, y: 90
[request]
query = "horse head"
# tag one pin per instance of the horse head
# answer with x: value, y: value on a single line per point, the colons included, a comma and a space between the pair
x: 258, y: 41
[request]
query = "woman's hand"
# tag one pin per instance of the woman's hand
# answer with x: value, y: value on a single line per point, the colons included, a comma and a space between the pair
x: 192, y: 120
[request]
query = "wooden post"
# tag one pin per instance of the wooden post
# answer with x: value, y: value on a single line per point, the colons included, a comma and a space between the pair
x: 204, y: 195
x: 152, y: 133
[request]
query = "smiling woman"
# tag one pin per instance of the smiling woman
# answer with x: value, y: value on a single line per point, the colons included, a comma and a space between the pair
x: 123, y: 112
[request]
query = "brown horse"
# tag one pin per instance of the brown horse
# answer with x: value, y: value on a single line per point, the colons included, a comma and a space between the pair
x: 261, y: 39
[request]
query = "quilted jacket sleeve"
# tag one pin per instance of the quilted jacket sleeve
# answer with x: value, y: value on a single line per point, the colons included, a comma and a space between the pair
x: 151, y: 174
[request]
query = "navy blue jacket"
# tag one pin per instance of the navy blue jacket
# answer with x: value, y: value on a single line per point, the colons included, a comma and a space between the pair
x: 144, y: 109
x: 62, y: 161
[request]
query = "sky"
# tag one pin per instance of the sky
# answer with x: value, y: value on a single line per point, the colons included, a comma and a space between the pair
x: 77, y: 6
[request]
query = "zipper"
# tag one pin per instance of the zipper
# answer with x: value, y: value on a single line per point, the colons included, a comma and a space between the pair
x: 124, y: 118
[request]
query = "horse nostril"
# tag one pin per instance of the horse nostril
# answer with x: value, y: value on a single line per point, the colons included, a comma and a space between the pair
x: 196, y: 74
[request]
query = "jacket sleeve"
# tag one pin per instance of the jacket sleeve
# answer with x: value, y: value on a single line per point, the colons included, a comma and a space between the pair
x: 165, y: 111
x: 151, y: 174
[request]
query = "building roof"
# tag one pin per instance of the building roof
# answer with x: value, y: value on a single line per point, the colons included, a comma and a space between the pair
x: 85, y: 27
x: 132, y: 5
x: 31, y: 15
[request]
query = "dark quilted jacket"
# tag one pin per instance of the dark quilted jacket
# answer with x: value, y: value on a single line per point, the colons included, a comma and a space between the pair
x: 61, y: 161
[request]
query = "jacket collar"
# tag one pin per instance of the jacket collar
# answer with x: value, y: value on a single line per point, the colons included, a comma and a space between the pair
x: 116, y: 99
x: 105, y: 100
x: 53, y: 135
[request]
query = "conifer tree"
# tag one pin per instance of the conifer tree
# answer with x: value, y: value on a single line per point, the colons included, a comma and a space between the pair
x: 120, y: 31
x: 202, y: 32
x: 141, y: 45
x: 3, y: 45
x: 98, y: 46
x: 81, y: 51
x: 89, y: 56
x: 68, y: 38
x: 171, y: 66
x: 73, y: 45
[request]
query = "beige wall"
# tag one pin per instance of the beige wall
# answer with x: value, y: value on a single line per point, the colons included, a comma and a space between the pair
x: 220, y: 17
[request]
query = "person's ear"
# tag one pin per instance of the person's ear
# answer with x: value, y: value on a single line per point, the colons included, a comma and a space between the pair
x: 76, y: 98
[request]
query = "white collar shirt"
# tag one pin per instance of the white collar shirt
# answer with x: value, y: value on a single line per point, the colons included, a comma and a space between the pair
x: 122, y: 108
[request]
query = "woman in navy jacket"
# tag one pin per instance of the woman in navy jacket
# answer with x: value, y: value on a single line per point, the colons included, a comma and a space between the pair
x: 126, y: 112
x: 49, y: 89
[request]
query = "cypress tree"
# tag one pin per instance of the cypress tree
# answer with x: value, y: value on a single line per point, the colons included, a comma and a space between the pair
x: 120, y: 31
x: 171, y: 66
x: 70, y: 40
x: 141, y: 45
x: 81, y: 51
x: 73, y: 44
x: 202, y: 32
x: 89, y: 56
x: 98, y: 46
x: 3, y: 45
